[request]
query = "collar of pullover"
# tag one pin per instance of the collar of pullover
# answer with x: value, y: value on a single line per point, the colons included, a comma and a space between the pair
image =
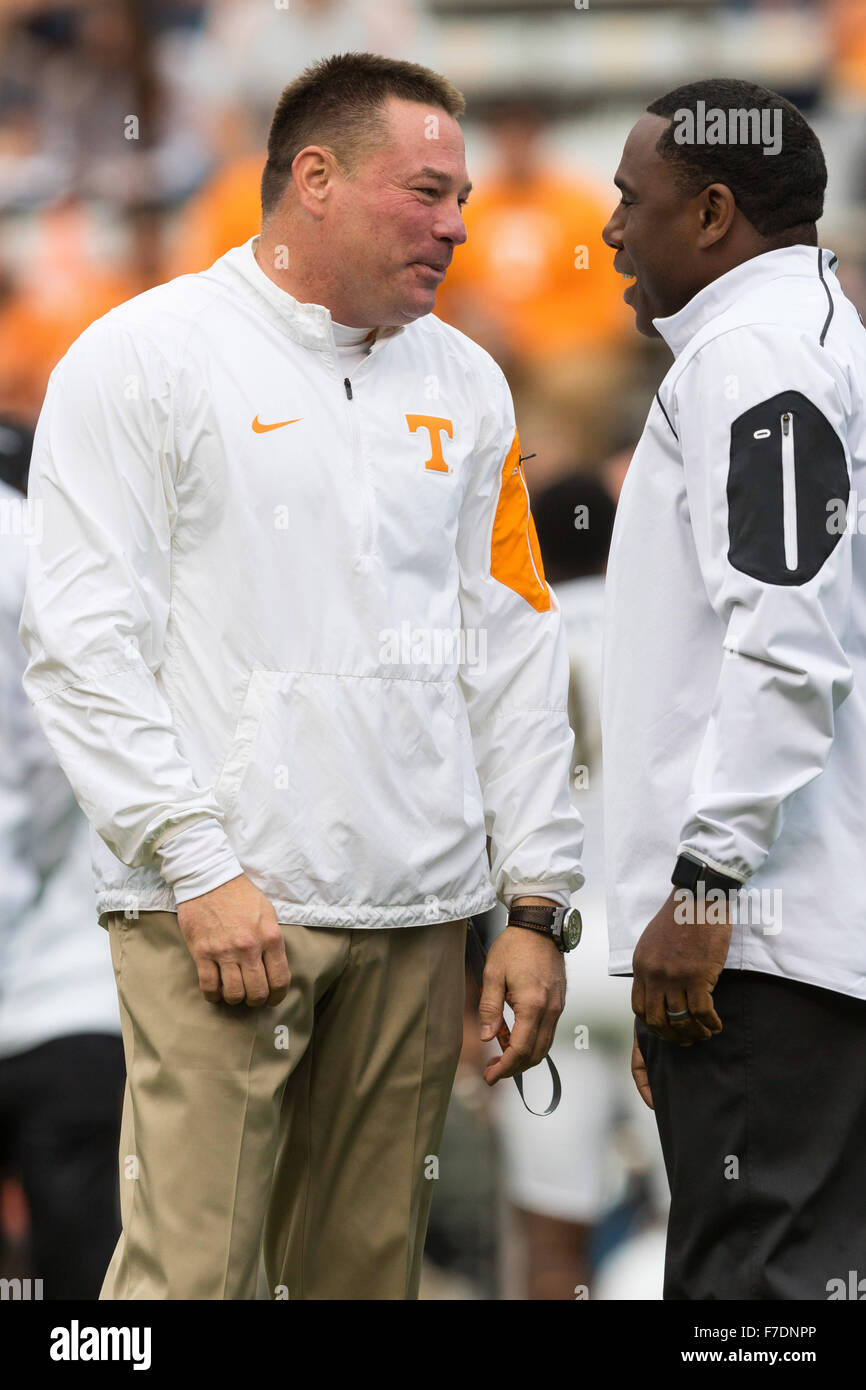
x: 308, y: 324
x: 679, y: 329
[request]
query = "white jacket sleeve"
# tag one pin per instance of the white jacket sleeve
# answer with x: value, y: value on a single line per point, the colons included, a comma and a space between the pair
x: 516, y: 693
x: 102, y: 498
x: 761, y: 420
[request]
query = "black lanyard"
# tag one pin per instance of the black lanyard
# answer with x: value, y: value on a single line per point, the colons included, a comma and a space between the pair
x: 476, y: 956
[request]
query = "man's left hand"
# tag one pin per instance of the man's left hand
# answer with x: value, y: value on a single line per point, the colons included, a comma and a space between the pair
x: 526, y: 969
x: 676, y: 966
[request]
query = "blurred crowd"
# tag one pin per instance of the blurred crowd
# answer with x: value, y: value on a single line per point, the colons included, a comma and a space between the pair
x: 132, y: 138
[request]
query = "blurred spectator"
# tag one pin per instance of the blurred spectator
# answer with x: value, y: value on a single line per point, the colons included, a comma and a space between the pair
x: 522, y: 284
x: 252, y: 49
x: 461, y: 1252
x: 226, y: 211
x: 88, y: 108
x: 65, y: 283
x: 535, y: 285
x: 847, y: 32
x: 16, y: 445
x: 566, y: 1173
x: 61, y: 1059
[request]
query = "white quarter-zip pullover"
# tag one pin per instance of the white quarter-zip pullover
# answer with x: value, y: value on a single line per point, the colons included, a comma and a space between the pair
x: 291, y: 624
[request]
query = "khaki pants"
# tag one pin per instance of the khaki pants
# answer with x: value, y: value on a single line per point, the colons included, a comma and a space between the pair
x: 299, y: 1134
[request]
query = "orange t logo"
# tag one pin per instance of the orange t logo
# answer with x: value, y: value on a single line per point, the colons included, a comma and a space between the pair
x: 434, y: 425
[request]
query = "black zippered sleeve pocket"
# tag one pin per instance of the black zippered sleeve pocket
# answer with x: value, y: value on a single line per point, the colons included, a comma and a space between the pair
x: 786, y: 477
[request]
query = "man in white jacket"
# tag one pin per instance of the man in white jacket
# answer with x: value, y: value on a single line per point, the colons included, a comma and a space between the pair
x: 734, y: 700
x: 290, y: 637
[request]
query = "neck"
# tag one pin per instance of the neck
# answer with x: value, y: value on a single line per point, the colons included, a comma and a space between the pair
x: 806, y: 234
x: 728, y: 257
x: 306, y: 278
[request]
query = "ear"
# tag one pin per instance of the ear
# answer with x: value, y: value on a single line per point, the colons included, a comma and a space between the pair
x: 716, y: 211
x: 314, y: 172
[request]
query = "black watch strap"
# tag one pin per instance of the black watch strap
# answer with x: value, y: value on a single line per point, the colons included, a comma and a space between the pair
x: 532, y: 915
x: 688, y: 872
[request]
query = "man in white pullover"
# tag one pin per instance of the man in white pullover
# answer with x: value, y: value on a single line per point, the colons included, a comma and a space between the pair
x: 290, y: 637
x: 734, y: 700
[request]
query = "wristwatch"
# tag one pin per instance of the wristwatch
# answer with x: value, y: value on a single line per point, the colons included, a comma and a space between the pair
x: 564, y: 924
x: 688, y: 872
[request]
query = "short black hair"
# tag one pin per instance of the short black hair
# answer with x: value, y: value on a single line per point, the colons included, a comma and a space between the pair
x: 338, y: 102
x: 776, y: 193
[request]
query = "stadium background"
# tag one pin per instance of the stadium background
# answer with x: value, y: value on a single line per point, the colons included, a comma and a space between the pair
x: 96, y: 207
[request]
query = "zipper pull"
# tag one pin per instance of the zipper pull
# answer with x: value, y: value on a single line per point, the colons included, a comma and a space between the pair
x: 786, y: 423
x: 348, y: 385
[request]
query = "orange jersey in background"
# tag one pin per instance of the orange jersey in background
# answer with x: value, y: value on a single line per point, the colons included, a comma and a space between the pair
x: 226, y: 212
x: 525, y: 272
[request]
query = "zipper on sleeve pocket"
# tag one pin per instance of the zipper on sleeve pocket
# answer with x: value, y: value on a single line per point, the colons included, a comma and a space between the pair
x: 789, y: 491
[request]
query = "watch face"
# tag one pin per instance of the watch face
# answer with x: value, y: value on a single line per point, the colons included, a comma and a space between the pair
x: 572, y: 926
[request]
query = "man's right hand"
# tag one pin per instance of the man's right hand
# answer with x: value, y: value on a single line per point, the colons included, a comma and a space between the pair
x: 235, y: 940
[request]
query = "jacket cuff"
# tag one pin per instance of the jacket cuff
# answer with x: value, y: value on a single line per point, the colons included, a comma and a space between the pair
x: 736, y: 871
x: 197, y: 859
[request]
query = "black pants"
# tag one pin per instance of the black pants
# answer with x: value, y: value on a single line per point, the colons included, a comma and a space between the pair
x: 60, y: 1110
x: 763, y: 1130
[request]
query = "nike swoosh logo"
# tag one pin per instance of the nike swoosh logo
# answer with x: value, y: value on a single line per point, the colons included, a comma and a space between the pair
x: 259, y: 428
